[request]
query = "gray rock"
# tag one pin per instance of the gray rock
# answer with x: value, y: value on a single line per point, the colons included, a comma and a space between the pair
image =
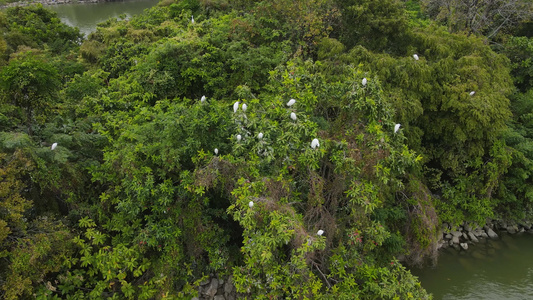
x: 220, y: 282
x: 230, y: 297
x: 457, y: 233
x: 448, y: 236
x: 491, y: 233
x: 512, y: 229
x: 484, y: 235
x: 219, y: 297
x: 228, y: 287
x: 456, y: 246
x: 206, y: 281
x: 467, y: 227
x: 464, y: 246
x: 473, y: 237
x: 465, y: 237
x: 526, y: 226
x: 478, y: 232
x: 212, y: 289
x: 451, y: 243
x: 455, y: 240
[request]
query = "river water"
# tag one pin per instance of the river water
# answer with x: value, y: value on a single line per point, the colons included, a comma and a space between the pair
x: 85, y: 16
x: 493, y: 269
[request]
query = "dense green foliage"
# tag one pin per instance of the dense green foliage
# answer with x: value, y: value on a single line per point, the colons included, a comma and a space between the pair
x: 149, y: 190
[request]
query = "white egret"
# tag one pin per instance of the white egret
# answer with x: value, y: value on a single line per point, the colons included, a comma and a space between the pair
x: 320, y: 232
x: 235, y: 106
x: 315, y: 143
x: 293, y: 116
x: 202, y: 99
x: 239, y: 137
x: 192, y: 19
x: 251, y: 204
x: 244, y: 107
x: 397, y: 127
x: 472, y: 93
x: 260, y: 135
x: 54, y: 145
x: 364, y: 82
x: 291, y: 102
x: 415, y: 56
x: 216, y: 151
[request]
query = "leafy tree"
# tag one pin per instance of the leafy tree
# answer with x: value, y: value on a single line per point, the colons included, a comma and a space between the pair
x: 486, y: 17
x: 30, y: 83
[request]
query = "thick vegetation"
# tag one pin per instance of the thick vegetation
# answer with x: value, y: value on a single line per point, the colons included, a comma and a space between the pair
x: 119, y: 180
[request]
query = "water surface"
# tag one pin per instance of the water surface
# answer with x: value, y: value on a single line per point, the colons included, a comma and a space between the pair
x: 85, y: 16
x: 493, y: 269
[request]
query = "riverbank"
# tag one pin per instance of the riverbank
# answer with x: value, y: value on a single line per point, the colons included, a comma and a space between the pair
x: 470, y: 233
x: 50, y: 2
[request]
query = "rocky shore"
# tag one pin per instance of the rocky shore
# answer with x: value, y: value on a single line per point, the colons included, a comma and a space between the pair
x: 470, y: 233
x: 49, y: 2
x: 217, y: 289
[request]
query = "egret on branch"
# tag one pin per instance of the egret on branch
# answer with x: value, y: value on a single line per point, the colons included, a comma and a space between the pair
x: 320, y: 232
x: 293, y: 116
x: 192, y: 19
x: 202, y: 100
x: 315, y: 143
x: 415, y: 56
x: 260, y: 135
x: 216, y: 151
x: 54, y: 145
x: 239, y: 137
x: 472, y: 93
x: 364, y: 82
x: 244, y: 107
x: 291, y: 102
x: 235, y: 106
x: 251, y: 204
x: 397, y: 127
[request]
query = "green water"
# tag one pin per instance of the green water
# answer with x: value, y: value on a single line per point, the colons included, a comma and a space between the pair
x: 493, y: 269
x: 86, y: 16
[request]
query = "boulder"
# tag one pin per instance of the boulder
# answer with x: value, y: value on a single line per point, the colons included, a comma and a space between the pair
x: 473, y: 237
x: 467, y: 227
x: 219, y: 297
x: 228, y: 286
x: 457, y: 233
x: 491, y: 233
x: 455, y: 240
x: 464, y: 246
x: 212, y: 288
x: 448, y: 236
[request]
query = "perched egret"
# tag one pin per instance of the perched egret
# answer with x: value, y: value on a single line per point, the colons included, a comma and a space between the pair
x: 320, y: 232
x: 315, y: 143
x: 364, y: 82
x: 472, y: 93
x: 216, y: 151
x: 202, y: 99
x: 251, y: 204
x: 260, y: 135
x: 244, y: 107
x: 192, y: 19
x: 235, y: 106
x: 291, y: 102
x: 293, y: 116
x: 415, y: 56
x: 54, y: 145
x: 397, y: 127
x: 239, y: 137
